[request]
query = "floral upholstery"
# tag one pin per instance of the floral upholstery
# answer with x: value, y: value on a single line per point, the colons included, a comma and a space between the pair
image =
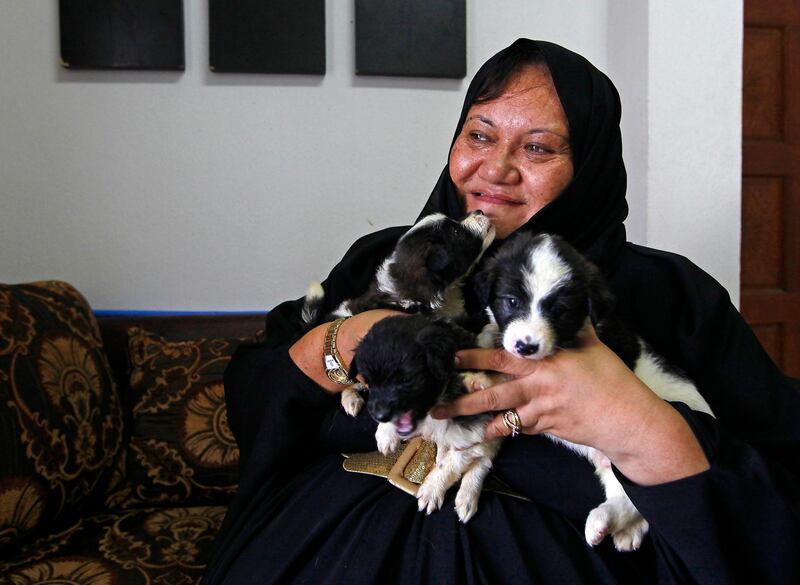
x: 61, y: 421
x: 168, y: 546
x: 181, y: 448
x: 117, y: 461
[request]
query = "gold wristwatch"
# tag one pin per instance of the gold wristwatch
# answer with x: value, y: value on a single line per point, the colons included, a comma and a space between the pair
x: 331, y: 359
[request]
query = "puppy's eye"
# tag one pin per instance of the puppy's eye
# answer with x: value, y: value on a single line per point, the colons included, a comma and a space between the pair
x: 510, y: 302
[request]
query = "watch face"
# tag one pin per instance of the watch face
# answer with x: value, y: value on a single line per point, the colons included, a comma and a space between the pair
x: 338, y: 375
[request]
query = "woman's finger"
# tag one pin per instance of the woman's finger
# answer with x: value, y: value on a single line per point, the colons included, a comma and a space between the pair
x: 498, y: 427
x: 496, y: 360
x: 500, y: 397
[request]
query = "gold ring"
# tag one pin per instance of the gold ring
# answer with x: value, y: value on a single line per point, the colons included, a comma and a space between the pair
x: 512, y: 422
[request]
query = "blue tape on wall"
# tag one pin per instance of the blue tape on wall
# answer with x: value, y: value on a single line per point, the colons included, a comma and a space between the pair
x: 113, y: 313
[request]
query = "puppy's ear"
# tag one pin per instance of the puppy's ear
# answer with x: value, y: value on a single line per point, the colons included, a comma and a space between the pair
x: 601, y: 299
x: 483, y: 283
x: 440, y: 349
x: 353, y: 371
x: 438, y: 259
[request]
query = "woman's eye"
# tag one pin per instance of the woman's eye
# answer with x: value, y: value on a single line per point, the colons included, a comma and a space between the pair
x: 536, y: 149
x: 478, y: 136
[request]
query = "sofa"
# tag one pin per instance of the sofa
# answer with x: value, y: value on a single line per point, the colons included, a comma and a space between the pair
x: 116, y: 460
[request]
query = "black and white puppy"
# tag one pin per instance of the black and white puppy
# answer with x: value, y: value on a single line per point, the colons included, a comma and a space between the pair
x: 540, y: 292
x: 408, y: 362
x: 423, y: 274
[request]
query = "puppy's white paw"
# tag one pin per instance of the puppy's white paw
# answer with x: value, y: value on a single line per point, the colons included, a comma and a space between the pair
x: 473, y: 381
x: 467, y: 502
x: 386, y: 438
x: 489, y: 336
x: 430, y: 496
x: 352, y: 401
x: 630, y: 536
x: 620, y: 518
x: 598, y: 525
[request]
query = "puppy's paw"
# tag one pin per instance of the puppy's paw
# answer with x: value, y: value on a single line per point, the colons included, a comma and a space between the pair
x: 386, y: 438
x: 473, y: 381
x: 489, y: 337
x: 630, y: 536
x: 467, y: 502
x: 352, y: 401
x: 598, y: 525
x: 430, y: 496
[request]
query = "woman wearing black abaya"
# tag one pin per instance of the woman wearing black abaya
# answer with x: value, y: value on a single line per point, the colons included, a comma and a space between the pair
x: 721, y: 496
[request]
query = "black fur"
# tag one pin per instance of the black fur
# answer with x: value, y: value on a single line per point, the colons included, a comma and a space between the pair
x: 408, y: 363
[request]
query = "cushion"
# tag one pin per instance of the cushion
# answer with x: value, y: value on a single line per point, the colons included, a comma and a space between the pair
x: 181, y: 449
x: 60, y: 421
x: 168, y: 546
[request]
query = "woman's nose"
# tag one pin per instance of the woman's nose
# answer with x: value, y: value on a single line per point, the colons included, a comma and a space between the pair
x: 500, y: 168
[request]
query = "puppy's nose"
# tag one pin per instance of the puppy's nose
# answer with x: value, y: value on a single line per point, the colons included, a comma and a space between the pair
x: 380, y: 412
x: 525, y: 348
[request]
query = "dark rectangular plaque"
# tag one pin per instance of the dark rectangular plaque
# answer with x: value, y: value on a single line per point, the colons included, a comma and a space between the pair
x: 267, y: 36
x: 411, y: 38
x: 122, y: 34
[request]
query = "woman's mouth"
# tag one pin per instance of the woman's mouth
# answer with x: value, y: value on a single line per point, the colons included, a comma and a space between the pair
x: 496, y: 198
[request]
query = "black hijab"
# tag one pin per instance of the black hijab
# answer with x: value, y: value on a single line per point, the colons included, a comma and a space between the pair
x: 588, y: 214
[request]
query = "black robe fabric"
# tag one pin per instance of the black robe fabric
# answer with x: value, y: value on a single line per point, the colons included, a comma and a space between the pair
x: 298, y: 517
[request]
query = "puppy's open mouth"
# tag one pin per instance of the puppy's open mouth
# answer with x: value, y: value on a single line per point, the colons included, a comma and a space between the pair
x: 405, y: 424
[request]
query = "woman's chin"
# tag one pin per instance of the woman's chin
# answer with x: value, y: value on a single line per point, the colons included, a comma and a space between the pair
x: 502, y: 227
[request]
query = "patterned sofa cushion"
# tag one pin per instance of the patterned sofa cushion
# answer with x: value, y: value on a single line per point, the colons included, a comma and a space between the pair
x: 168, y: 546
x: 181, y: 448
x: 60, y: 421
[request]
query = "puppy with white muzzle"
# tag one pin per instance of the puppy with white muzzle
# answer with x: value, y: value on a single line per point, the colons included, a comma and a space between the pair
x: 540, y: 293
x: 408, y: 363
x: 423, y: 274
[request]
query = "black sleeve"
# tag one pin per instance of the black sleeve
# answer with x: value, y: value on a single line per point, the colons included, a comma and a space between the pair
x: 348, y: 279
x: 730, y: 524
x: 274, y: 410
x: 283, y: 422
x: 738, y: 522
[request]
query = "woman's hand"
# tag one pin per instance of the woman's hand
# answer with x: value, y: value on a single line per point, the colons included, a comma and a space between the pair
x: 586, y: 395
x: 307, y: 351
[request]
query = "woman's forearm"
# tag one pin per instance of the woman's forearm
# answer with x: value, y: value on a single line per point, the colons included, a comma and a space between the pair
x: 307, y: 352
x: 659, y: 448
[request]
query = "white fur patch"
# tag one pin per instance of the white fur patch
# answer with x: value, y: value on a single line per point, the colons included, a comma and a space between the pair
x: 384, y: 279
x: 343, y: 310
x: 481, y: 226
x: 667, y: 385
x: 313, y: 294
x: 427, y: 220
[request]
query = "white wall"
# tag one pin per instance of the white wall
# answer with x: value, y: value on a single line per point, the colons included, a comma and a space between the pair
x: 201, y: 191
x: 695, y: 133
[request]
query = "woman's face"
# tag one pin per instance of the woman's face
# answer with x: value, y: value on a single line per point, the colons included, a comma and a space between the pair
x: 513, y: 155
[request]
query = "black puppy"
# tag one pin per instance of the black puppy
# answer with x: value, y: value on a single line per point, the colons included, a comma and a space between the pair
x: 408, y: 362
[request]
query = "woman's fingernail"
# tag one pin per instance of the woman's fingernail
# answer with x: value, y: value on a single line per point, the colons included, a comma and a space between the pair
x: 457, y: 360
x: 476, y: 386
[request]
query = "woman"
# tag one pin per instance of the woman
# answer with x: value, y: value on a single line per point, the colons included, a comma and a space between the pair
x: 537, y: 148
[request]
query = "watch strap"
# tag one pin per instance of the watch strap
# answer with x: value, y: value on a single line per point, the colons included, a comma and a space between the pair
x: 331, y: 360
